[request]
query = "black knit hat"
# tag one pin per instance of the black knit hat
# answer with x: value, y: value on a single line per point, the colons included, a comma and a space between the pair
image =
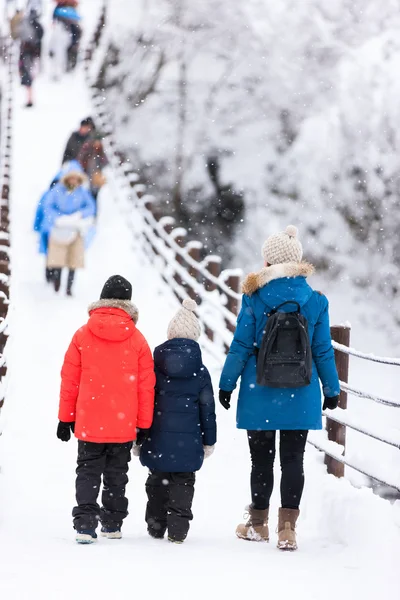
x: 116, y: 288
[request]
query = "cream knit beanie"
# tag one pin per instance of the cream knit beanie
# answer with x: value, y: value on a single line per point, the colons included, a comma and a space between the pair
x: 185, y: 323
x: 282, y: 247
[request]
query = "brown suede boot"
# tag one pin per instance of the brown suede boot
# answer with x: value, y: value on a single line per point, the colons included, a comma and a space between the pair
x: 287, y: 528
x: 256, y: 528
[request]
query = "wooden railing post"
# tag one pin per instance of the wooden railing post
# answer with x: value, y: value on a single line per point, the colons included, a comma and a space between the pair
x: 337, y: 431
x: 179, y: 235
x: 213, y: 266
x: 232, y: 304
x: 194, y: 251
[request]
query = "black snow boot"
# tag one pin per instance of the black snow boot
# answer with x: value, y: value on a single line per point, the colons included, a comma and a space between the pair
x: 70, y: 281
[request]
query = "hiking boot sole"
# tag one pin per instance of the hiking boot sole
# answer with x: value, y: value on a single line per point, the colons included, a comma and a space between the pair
x: 85, y: 538
x: 111, y: 535
x: 287, y: 546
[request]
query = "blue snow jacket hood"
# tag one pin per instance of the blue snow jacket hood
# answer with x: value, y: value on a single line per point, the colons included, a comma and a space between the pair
x: 266, y: 408
x: 184, y: 409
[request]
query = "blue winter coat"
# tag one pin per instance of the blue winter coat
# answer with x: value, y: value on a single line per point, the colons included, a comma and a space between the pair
x: 72, y: 165
x: 184, y: 410
x: 66, y: 12
x: 60, y: 201
x: 270, y: 408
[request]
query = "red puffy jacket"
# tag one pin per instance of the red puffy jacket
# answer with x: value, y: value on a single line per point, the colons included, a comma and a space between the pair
x: 108, y: 378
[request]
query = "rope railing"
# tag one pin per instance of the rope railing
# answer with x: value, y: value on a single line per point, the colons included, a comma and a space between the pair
x: 6, y: 123
x: 343, y: 461
x: 190, y: 273
x: 363, y: 355
x: 368, y: 396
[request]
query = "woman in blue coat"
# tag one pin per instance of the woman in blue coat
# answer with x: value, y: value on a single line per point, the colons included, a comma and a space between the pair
x: 72, y: 165
x: 264, y: 410
x: 68, y: 213
x: 184, y: 430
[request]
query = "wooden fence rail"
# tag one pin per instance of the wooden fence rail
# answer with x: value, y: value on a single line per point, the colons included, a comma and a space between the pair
x: 189, y: 272
x: 6, y: 124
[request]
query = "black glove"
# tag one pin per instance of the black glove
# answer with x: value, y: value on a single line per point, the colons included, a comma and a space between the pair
x: 330, y: 403
x: 225, y: 399
x: 64, y: 430
x: 141, y: 436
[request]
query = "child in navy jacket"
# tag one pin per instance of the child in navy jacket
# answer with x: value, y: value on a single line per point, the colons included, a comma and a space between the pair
x: 184, y: 427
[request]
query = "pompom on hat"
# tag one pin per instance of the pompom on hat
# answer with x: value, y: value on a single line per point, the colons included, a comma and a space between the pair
x: 185, y: 323
x: 283, y: 247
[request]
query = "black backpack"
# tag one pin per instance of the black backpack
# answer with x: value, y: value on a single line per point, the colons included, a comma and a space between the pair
x: 284, y: 359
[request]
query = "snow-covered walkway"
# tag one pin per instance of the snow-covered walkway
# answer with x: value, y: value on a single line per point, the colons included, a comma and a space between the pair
x: 348, y: 538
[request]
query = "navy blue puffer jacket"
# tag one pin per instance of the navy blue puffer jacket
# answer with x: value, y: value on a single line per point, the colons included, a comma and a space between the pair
x: 184, y: 410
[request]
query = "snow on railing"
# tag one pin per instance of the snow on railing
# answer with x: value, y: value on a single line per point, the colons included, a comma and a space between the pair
x: 371, y: 357
x: 189, y: 273
x: 8, y: 68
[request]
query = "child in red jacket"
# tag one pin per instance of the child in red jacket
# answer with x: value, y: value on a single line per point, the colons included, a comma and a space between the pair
x: 107, y: 400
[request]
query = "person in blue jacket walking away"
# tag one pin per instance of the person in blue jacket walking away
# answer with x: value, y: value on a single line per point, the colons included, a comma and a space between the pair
x: 69, y: 211
x: 264, y: 410
x: 184, y: 430
x: 72, y: 165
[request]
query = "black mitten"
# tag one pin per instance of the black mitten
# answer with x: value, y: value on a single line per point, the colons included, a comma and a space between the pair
x: 64, y: 430
x: 141, y: 436
x: 330, y: 403
x: 225, y: 399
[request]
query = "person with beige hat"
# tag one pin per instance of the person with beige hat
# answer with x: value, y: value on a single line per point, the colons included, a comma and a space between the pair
x: 184, y: 428
x: 281, y: 350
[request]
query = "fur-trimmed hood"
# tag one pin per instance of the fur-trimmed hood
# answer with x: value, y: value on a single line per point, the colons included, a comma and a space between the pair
x: 78, y: 174
x: 125, y: 305
x: 256, y: 281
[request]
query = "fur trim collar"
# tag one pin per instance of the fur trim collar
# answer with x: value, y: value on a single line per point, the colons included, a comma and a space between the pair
x: 255, y: 281
x: 125, y: 305
x: 80, y: 176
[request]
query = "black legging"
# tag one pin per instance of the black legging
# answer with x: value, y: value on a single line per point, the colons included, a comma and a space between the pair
x: 291, y: 450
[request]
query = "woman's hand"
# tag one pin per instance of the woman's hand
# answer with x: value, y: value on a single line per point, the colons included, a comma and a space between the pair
x: 225, y: 399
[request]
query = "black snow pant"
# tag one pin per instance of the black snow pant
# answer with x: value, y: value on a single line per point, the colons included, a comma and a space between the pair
x: 95, y: 461
x: 169, y: 506
x: 262, y: 451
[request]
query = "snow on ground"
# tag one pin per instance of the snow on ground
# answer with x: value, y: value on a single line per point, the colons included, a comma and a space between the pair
x: 348, y: 538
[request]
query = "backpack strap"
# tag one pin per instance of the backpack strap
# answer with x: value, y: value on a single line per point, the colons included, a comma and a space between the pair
x: 269, y: 312
x: 275, y: 310
x: 272, y: 311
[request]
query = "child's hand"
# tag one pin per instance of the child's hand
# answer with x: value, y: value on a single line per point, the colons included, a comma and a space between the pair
x: 136, y: 450
x: 141, y: 435
x: 64, y: 430
x: 208, y: 450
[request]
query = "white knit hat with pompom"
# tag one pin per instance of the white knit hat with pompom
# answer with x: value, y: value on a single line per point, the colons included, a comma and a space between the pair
x: 185, y: 323
x: 282, y: 247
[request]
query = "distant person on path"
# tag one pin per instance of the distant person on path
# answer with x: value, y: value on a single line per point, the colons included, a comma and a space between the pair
x: 93, y: 160
x: 39, y: 214
x: 30, y: 33
x: 77, y: 139
x: 184, y: 429
x: 66, y: 13
x: 106, y: 399
x: 292, y: 352
x: 68, y: 216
